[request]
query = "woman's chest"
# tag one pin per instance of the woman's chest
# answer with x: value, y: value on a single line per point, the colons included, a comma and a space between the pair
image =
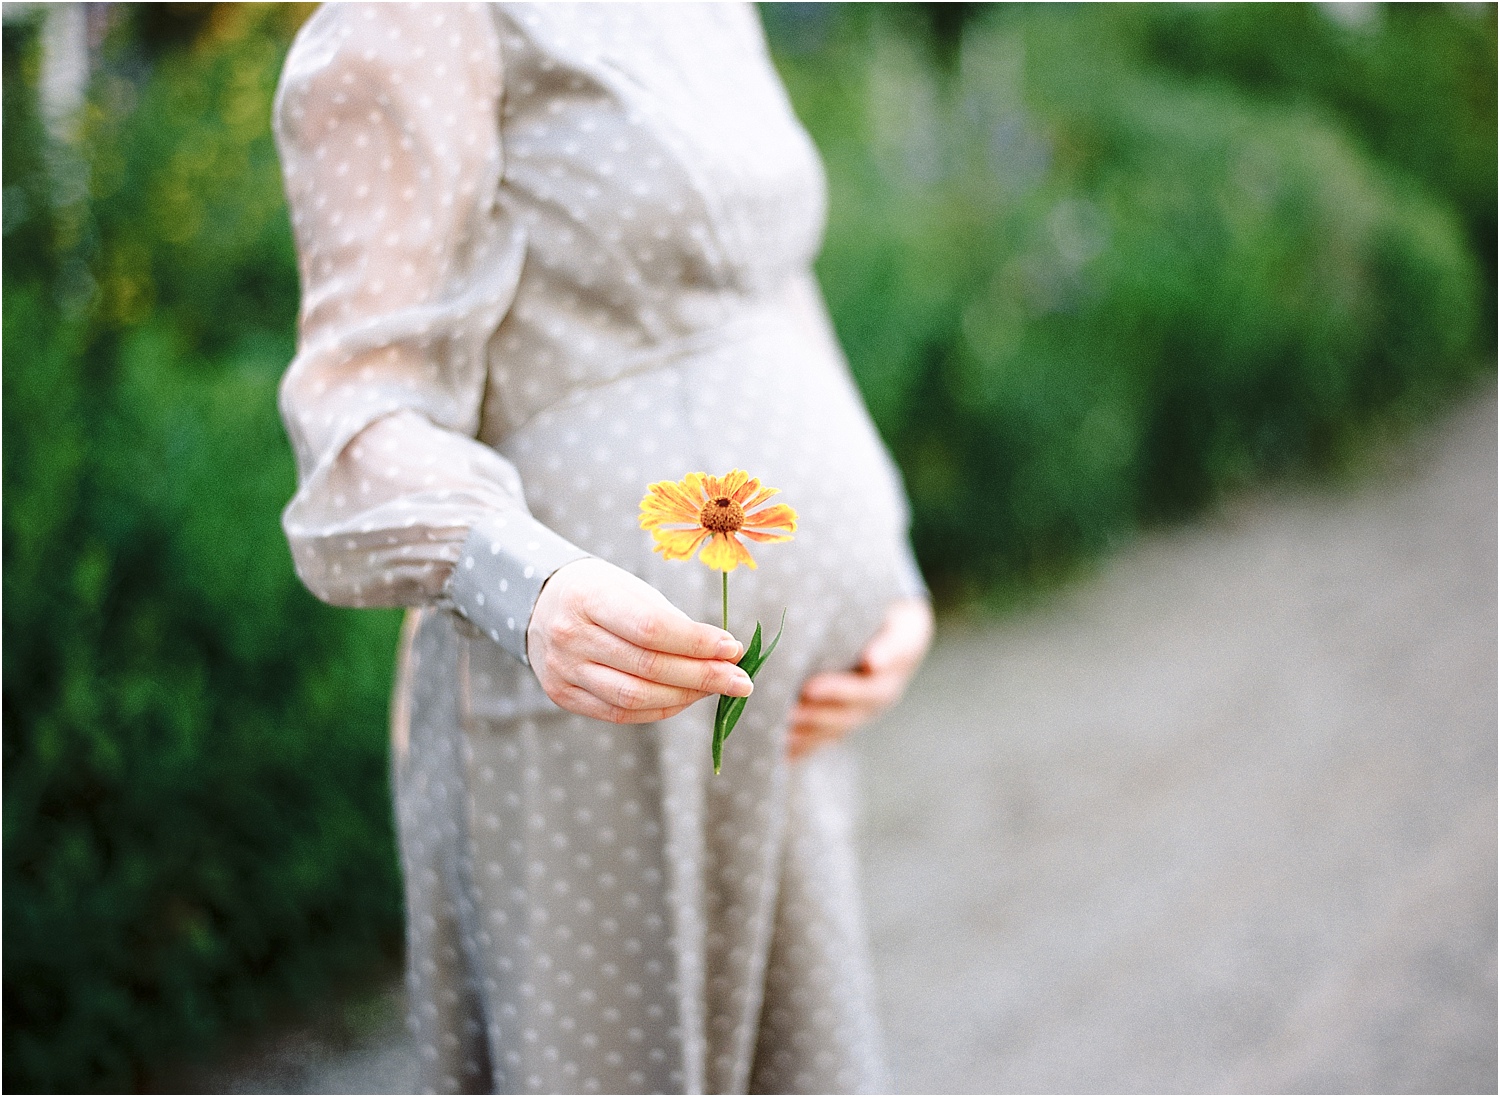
x: 661, y: 135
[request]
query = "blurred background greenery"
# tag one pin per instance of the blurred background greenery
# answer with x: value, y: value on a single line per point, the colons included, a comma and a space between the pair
x: 1093, y: 266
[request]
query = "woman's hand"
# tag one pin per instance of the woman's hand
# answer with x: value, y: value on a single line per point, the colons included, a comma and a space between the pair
x: 832, y: 705
x: 605, y: 644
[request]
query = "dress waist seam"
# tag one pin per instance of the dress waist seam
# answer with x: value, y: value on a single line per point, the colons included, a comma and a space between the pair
x: 743, y: 326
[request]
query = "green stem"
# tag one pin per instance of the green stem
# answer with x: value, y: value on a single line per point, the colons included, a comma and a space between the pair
x: 725, y: 574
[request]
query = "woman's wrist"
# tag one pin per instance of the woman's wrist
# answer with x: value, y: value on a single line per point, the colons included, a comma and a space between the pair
x: 504, y: 564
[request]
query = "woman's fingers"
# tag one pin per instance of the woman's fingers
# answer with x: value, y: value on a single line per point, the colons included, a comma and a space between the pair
x: 584, y: 703
x: 862, y: 688
x: 829, y: 719
x: 644, y: 618
x: 703, y: 675
x: 803, y: 738
x: 813, y: 726
x: 625, y: 691
x: 606, y: 645
x: 818, y: 725
x: 832, y: 705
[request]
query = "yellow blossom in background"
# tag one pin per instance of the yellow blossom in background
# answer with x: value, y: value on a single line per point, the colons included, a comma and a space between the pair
x: 684, y: 514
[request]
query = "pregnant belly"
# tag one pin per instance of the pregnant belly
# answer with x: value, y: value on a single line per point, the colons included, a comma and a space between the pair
x: 773, y: 400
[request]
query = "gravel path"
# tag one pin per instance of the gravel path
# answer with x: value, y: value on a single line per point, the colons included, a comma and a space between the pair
x: 1221, y: 817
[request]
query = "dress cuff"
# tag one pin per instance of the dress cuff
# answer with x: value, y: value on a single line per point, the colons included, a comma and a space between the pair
x: 500, y: 573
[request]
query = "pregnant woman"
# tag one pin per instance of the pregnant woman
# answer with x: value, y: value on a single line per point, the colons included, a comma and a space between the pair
x: 550, y: 255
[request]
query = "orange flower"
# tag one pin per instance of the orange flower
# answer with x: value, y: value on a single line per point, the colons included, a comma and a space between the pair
x: 683, y: 514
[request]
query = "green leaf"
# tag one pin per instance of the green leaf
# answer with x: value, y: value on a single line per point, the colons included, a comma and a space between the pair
x: 752, y: 653
x: 755, y: 658
x: 730, y: 708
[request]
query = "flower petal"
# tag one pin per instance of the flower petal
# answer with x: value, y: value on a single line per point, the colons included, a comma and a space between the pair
x: 780, y: 515
x: 732, y: 483
x: 742, y: 552
x: 725, y: 553
x: 682, y: 493
x: 759, y: 535
x: 658, y: 507
x: 678, y: 544
x: 752, y: 490
x: 759, y: 497
x: 650, y: 519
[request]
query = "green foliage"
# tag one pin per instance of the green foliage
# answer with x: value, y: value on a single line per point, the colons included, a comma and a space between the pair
x: 1081, y: 292
x: 1093, y: 266
x: 1412, y: 84
x: 196, y: 819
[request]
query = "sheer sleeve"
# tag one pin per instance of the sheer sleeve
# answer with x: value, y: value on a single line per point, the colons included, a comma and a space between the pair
x: 387, y: 122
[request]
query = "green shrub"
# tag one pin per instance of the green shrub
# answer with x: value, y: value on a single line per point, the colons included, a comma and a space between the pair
x: 1080, y: 293
x: 1413, y: 84
x: 196, y: 817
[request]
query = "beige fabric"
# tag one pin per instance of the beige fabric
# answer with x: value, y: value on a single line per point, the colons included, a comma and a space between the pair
x: 550, y: 254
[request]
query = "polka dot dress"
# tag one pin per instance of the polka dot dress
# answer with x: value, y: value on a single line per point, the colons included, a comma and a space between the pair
x: 550, y: 254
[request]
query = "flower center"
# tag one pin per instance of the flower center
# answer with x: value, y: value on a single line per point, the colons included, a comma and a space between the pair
x: 721, y: 515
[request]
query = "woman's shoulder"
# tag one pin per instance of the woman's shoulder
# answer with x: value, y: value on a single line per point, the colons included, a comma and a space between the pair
x: 435, y: 38
x: 349, y: 54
